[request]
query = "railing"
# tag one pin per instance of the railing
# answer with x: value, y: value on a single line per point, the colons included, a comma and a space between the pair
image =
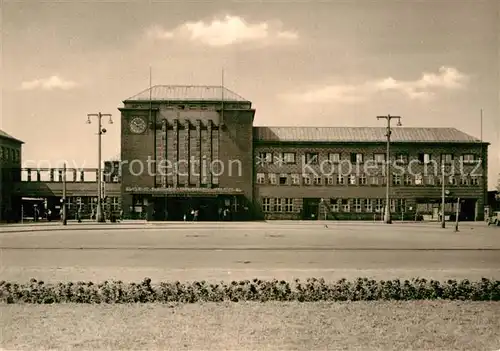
x: 73, y: 175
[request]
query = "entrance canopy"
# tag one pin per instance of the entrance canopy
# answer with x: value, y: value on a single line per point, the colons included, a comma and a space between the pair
x: 183, y: 191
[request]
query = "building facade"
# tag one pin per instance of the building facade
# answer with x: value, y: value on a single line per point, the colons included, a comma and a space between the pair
x: 192, y: 148
x: 340, y: 173
x: 185, y: 149
x: 10, y: 169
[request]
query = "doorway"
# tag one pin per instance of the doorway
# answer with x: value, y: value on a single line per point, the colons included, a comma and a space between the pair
x: 311, y: 209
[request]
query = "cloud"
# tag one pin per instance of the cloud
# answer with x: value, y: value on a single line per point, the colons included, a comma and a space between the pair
x: 227, y: 31
x: 51, y: 83
x: 422, y: 89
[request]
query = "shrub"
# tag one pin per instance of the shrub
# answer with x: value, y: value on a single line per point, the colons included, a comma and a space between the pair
x: 362, y: 289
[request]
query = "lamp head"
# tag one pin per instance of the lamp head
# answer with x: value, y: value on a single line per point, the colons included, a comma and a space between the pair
x: 88, y: 120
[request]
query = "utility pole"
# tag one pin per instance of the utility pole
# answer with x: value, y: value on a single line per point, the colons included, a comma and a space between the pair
x: 388, y: 118
x: 457, y: 214
x: 100, y: 132
x: 64, y: 209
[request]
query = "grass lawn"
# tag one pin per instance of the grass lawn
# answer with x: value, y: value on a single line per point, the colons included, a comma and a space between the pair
x: 421, y: 325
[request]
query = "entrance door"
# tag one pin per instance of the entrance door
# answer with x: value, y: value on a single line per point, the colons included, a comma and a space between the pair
x: 311, y: 209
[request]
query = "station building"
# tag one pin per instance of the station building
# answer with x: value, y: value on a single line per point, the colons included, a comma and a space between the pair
x: 196, y: 147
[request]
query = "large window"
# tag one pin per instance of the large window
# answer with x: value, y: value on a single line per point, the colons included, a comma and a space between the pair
x: 402, y: 158
x: 379, y: 205
x: 265, y: 157
x: 345, y: 205
x: 334, y: 157
x: 424, y: 158
x: 357, y: 205
x: 356, y: 158
x: 312, y: 158
x: 261, y: 178
x: 266, y: 204
x: 468, y: 158
x: 288, y: 205
x: 396, y: 179
x: 334, y: 204
x: 273, y: 179
x: 288, y: 157
x: 278, y: 205
x: 379, y: 158
x: 368, y: 205
x: 446, y: 158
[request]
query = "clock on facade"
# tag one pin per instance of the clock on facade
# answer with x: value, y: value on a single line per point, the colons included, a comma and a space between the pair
x: 138, y: 125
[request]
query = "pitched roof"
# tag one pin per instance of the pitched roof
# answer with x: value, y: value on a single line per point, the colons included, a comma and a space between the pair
x: 7, y: 136
x: 360, y: 134
x: 187, y: 93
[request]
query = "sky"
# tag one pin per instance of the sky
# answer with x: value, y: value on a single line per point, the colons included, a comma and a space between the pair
x: 301, y: 63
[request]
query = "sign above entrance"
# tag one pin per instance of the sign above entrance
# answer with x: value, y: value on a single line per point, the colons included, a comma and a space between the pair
x: 187, y: 191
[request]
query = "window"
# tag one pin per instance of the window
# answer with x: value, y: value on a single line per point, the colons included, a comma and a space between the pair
x: 396, y: 179
x: 452, y: 180
x: 374, y: 180
x: 402, y: 158
x: 330, y: 180
x: 419, y: 179
x: 379, y: 205
x: 430, y: 180
x: 379, y: 158
x: 266, y: 157
x: 340, y: 179
x: 317, y: 180
x: 334, y: 204
x: 283, y: 179
x: 266, y: 204
x: 362, y: 179
x: 115, y: 203
x: 474, y: 181
x: 356, y: 158
x: 2, y: 152
x: 424, y: 158
x: 345, y: 205
x: 288, y: 157
x: 446, y: 158
x: 334, y: 157
x: 288, y: 205
x: 464, y: 180
x: 352, y: 179
x: 407, y: 180
x: 278, y: 205
x: 468, y: 158
x: 295, y: 179
x: 312, y: 158
x: 357, y: 205
x: 307, y: 179
x: 368, y: 205
x: 273, y: 179
x: 398, y: 205
x: 261, y: 178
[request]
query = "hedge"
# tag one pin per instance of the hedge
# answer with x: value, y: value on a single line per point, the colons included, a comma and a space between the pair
x: 361, y: 289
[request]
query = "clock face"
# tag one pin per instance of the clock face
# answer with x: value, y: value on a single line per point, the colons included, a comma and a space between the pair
x: 137, y: 125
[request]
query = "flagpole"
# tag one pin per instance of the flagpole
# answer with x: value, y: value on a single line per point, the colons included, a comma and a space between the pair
x: 222, y: 94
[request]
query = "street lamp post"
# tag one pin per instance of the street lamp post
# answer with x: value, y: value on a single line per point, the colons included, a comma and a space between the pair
x: 443, y: 196
x: 388, y: 118
x: 100, y: 132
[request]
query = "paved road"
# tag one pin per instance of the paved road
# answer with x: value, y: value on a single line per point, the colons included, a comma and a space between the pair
x: 189, y: 251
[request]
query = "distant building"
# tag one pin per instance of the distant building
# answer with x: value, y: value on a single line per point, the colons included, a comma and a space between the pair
x: 10, y: 172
